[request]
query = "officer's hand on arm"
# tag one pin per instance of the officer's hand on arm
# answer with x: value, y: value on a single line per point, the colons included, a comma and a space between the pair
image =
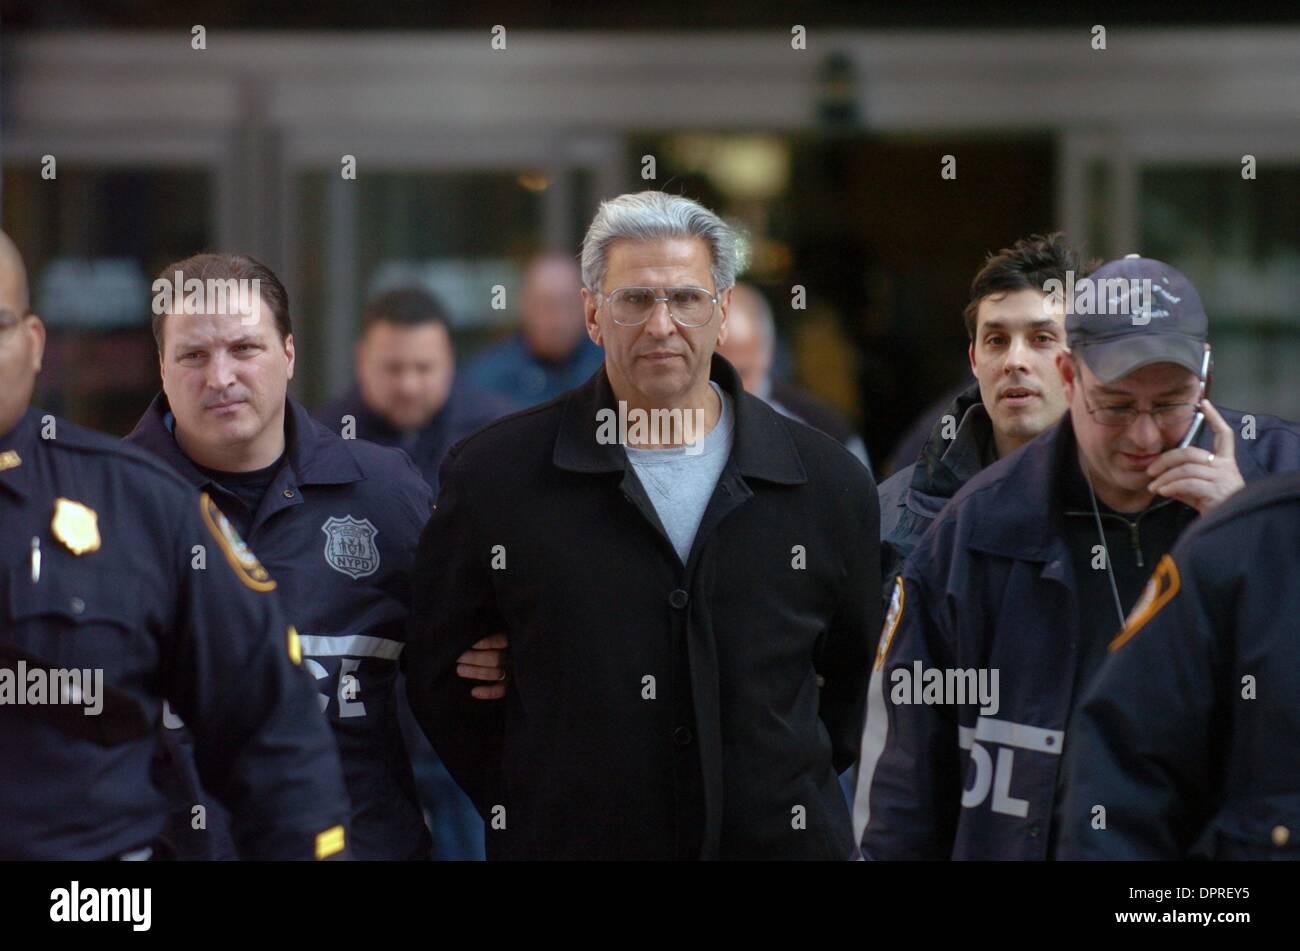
x: 486, y: 660
x: 1199, y: 477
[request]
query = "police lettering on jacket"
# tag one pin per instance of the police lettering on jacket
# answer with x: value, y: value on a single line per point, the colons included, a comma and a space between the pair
x: 991, y: 586
x: 337, y: 529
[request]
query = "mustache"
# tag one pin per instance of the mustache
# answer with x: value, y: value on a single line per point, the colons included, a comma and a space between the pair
x: 235, y: 397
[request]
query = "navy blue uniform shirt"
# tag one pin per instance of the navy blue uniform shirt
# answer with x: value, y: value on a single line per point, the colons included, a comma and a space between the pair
x: 109, y: 562
x: 337, y: 529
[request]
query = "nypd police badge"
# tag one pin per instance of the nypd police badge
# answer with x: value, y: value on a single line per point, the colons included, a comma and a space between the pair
x: 350, y: 546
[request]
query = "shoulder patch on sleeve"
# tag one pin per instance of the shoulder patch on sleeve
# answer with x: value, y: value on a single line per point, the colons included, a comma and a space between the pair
x: 892, y: 617
x: 1160, y: 590
x: 245, y: 564
x: 329, y: 842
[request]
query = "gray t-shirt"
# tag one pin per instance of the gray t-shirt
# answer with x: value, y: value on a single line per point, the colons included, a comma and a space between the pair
x: 680, y: 483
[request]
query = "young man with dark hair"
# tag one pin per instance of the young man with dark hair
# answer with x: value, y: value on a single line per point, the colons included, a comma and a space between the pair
x: 1016, y: 331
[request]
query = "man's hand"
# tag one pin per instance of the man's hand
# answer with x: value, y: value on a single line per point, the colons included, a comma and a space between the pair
x: 1198, y: 477
x: 486, y: 660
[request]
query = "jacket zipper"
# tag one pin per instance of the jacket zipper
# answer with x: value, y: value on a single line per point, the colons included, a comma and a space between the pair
x: 1134, y: 530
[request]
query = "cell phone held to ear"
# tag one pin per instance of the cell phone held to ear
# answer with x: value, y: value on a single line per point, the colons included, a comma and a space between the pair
x: 1199, y: 419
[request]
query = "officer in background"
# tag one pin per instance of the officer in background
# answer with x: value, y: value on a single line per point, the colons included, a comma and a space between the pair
x: 1188, y: 743
x: 335, y: 521
x: 409, y: 394
x: 120, y: 586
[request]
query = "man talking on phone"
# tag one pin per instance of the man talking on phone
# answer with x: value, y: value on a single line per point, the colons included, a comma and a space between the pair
x: 1029, y: 572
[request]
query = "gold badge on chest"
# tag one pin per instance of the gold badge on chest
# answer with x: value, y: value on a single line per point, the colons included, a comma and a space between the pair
x: 76, y: 526
x: 9, y: 459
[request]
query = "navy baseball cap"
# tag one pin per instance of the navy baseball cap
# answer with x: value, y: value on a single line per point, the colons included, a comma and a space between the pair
x: 1133, y: 312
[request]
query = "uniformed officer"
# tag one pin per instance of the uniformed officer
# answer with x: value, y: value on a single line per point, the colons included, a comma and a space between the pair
x: 120, y: 586
x: 1188, y: 742
x: 335, y: 521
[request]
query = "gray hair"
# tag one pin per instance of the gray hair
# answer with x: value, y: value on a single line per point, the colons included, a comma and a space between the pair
x: 654, y: 215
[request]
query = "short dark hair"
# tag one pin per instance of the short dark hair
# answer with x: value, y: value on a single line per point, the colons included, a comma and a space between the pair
x: 222, y: 266
x: 1029, y: 263
x: 406, y: 307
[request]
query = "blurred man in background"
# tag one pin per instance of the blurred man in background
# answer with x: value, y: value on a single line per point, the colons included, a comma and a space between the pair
x: 409, y: 395
x: 551, y: 352
x: 1015, y: 333
x: 750, y: 347
x: 408, y: 392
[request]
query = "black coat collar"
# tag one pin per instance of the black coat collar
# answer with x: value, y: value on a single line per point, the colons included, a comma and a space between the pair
x: 945, y: 465
x: 763, y: 447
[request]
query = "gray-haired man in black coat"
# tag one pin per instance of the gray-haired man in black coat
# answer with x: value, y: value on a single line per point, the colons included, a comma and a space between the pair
x: 688, y: 580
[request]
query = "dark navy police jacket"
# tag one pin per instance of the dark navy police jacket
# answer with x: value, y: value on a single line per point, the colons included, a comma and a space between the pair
x: 337, y: 530
x: 991, y: 585
x: 1189, y: 738
x: 116, y: 588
